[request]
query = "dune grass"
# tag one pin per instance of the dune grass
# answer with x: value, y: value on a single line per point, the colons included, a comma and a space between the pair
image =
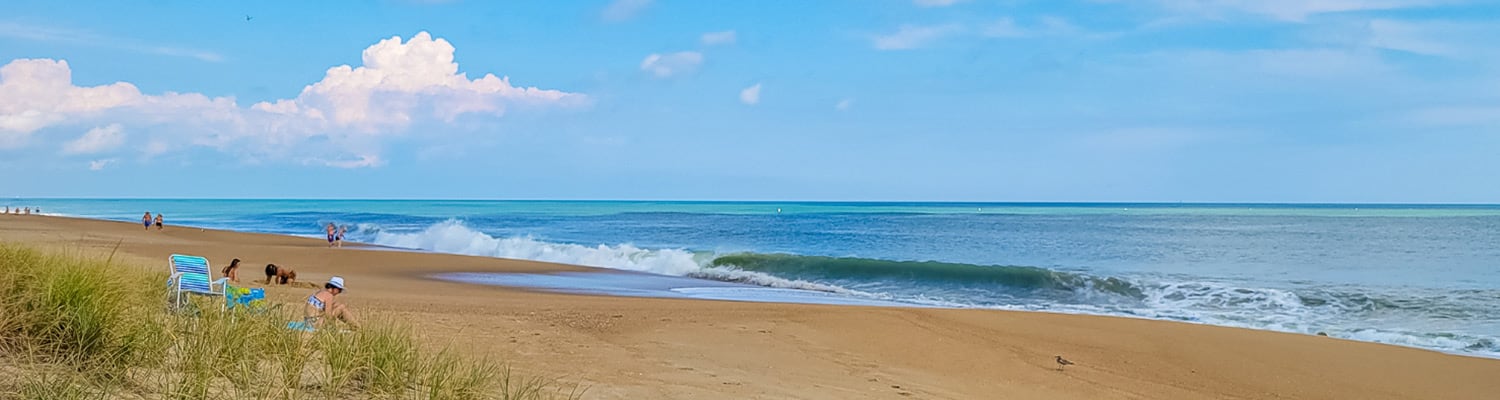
x: 86, y: 327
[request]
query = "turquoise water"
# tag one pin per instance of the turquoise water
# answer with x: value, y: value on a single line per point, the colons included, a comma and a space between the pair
x: 1415, y: 275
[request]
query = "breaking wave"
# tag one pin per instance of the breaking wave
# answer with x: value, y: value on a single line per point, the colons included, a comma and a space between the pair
x: 1385, y: 316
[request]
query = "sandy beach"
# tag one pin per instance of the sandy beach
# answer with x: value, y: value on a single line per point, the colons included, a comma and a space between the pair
x: 647, y: 348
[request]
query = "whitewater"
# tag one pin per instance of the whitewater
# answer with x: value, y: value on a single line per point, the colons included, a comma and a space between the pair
x: 1318, y: 311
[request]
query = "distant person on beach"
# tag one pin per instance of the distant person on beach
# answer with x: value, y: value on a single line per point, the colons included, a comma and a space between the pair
x: 280, y: 275
x: 146, y: 220
x: 158, y: 221
x: 28, y: 211
x: 331, y: 234
x: 324, y: 305
x: 233, y: 270
x: 340, y: 239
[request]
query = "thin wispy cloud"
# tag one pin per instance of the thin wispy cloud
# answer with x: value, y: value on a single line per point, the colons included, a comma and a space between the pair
x: 718, y: 38
x: 750, y: 95
x: 1291, y: 10
x: 80, y: 37
x: 97, y: 140
x: 844, y: 104
x: 671, y: 64
x: 909, y: 37
x: 98, y: 165
x: 1401, y: 36
x: 621, y: 10
x: 935, y: 3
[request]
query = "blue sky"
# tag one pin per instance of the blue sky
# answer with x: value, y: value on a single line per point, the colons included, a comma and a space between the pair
x: 977, y: 100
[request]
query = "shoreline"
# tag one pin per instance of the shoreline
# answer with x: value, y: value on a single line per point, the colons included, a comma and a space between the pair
x: 628, y: 347
x: 1479, y: 346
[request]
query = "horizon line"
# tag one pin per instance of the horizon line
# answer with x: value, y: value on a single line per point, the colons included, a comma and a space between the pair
x: 1011, y: 202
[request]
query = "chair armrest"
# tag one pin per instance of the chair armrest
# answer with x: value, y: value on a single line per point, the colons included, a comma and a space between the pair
x: 221, y: 282
x: 173, y: 278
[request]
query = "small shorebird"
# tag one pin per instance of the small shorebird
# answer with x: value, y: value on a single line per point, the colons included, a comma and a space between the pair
x: 1062, y: 362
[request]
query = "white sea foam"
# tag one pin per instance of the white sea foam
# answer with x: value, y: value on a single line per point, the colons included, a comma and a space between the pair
x: 453, y: 236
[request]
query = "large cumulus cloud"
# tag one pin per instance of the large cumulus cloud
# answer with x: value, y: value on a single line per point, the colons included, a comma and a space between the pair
x: 347, y: 113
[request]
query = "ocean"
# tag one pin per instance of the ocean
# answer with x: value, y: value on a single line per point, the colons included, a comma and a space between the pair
x: 1425, y: 276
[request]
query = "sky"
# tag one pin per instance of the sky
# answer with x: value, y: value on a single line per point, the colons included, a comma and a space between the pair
x: 840, y: 100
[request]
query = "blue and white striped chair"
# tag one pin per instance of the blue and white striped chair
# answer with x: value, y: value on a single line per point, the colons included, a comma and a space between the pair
x: 191, y: 275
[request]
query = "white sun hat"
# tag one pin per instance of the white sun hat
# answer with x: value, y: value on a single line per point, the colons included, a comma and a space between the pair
x: 337, y: 282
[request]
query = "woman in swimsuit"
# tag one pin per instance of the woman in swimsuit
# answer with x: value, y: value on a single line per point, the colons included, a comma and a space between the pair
x: 323, y: 305
x: 158, y: 221
x: 146, y: 220
x: 331, y: 232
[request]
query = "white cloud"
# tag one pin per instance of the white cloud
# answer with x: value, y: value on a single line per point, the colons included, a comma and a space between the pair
x: 100, y: 164
x: 1291, y: 10
x: 751, y: 95
x: 363, y: 161
x: 667, y: 65
x: 914, y: 36
x: 97, y: 140
x: 844, y: 105
x: 718, y: 38
x: 1004, y: 27
x: 343, y: 116
x: 399, y: 80
x: 36, y: 93
x: 620, y: 10
x: 935, y: 3
x: 70, y: 36
x: 1395, y: 35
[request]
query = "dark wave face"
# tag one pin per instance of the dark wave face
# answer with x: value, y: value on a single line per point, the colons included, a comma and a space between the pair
x: 927, y: 273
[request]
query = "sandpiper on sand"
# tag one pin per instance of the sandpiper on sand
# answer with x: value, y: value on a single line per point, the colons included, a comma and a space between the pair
x: 1062, y: 362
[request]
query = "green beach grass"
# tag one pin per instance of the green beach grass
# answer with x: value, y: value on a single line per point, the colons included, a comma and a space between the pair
x: 72, y: 326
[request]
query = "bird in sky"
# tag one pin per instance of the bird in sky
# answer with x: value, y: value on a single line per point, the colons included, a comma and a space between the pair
x: 248, y: 18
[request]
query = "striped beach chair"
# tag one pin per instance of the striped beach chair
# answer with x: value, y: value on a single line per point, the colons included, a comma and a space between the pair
x: 191, y: 275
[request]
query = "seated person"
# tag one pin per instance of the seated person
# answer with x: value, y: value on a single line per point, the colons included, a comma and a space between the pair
x: 324, y: 305
x: 233, y: 271
x: 282, y: 275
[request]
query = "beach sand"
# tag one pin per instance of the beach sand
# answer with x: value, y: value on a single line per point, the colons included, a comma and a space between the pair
x: 649, y: 348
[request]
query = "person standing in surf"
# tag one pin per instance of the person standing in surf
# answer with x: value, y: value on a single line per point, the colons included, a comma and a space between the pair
x: 146, y: 220
x: 332, y: 233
